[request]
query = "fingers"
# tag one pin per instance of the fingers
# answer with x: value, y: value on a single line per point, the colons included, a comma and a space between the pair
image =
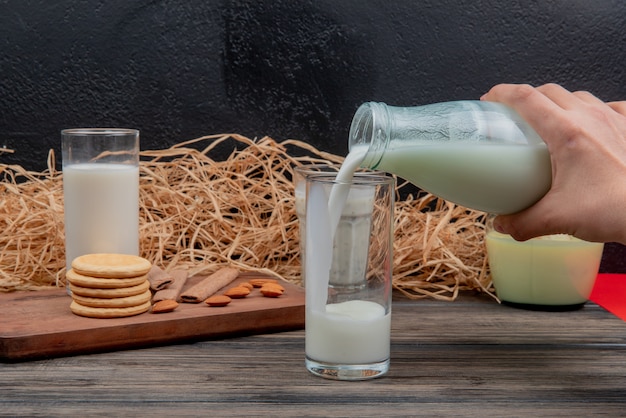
x: 561, y: 96
x: 508, y: 93
x: 586, y: 143
x: 553, y: 111
x: 566, y: 99
x: 529, y: 223
x: 554, y: 92
x: 526, y: 99
x: 619, y: 107
x: 543, y: 113
x: 586, y: 97
x: 504, y: 224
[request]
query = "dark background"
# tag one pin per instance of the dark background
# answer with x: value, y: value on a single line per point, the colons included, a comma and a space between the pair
x: 178, y: 70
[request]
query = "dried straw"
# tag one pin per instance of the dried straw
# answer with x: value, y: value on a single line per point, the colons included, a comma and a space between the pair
x: 200, y: 214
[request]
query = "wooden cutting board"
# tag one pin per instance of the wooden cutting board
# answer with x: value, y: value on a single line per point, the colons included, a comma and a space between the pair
x: 40, y: 324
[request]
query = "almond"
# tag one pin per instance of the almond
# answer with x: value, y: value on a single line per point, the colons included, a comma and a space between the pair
x: 261, y: 282
x: 273, y: 286
x: 218, y: 300
x: 163, y: 306
x: 270, y: 292
x: 237, y: 292
x: 246, y: 285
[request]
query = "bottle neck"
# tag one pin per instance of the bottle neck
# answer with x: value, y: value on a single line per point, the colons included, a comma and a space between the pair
x: 370, y: 128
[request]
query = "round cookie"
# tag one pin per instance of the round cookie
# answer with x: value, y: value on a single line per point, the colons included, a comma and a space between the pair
x: 101, y: 282
x: 120, y: 292
x: 92, y: 312
x: 126, y: 302
x: 115, y: 266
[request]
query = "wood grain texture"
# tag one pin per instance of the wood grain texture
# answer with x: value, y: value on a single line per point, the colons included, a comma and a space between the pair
x: 471, y: 357
x: 40, y: 324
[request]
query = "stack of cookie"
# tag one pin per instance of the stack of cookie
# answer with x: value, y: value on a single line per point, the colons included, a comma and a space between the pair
x: 109, y: 285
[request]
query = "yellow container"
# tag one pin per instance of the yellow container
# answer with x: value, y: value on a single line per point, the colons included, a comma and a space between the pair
x: 554, y: 272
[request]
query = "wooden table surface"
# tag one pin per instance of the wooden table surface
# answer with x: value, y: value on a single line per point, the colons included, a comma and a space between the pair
x: 471, y: 357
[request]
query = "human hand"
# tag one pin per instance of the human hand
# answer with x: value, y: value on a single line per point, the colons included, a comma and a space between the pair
x: 586, y: 139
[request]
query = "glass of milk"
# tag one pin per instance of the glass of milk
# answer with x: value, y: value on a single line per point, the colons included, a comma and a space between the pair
x: 550, y: 273
x: 100, y: 191
x: 348, y: 273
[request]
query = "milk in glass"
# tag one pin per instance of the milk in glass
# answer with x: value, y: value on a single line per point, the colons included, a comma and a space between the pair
x: 101, y: 209
x: 351, y: 332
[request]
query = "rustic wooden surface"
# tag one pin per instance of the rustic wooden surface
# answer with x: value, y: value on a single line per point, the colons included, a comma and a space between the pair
x: 471, y: 357
x: 37, y: 324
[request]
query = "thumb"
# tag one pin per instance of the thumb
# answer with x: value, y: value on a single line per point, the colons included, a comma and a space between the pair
x: 527, y: 224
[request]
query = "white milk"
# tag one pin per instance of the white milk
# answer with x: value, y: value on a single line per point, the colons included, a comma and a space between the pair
x: 101, y: 209
x: 339, y: 192
x: 494, y: 178
x: 353, y: 332
x: 552, y: 270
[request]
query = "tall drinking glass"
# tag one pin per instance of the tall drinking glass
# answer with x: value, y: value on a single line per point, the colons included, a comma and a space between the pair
x: 348, y: 277
x: 100, y: 191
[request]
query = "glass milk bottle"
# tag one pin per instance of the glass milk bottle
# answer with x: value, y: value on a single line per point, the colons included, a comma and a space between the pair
x: 481, y: 155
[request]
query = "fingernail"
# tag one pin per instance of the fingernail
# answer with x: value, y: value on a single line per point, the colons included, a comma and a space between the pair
x: 498, y: 227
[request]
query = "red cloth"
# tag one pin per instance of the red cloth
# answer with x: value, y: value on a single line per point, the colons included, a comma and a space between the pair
x: 609, y: 292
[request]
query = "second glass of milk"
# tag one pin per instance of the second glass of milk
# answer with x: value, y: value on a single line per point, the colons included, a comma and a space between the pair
x: 348, y: 273
x: 100, y: 191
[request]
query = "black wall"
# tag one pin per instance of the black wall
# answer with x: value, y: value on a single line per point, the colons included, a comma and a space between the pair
x: 285, y: 68
x: 177, y: 70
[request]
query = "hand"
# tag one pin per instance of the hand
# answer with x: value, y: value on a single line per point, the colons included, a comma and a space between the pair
x: 586, y: 139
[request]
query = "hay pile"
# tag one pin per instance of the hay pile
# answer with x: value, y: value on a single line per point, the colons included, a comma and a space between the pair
x: 200, y: 213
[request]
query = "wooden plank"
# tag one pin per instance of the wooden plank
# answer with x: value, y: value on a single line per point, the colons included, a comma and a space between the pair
x: 471, y: 358
x: 40, y: 324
